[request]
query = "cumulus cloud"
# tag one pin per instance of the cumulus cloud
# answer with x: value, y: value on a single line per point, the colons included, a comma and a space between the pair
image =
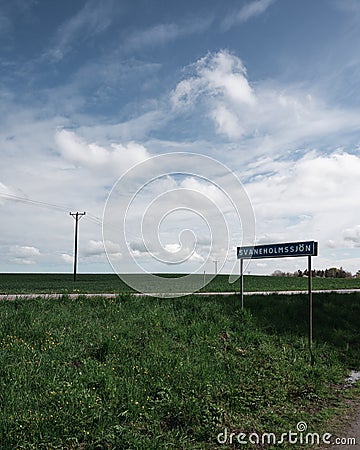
x: 68, y: 259
x: 221, y: 75
x: 227, y: 122
x: 314, y: 197
x: 117, y: 159
x: 267, y: 115
x: 97, y: 248
x: 24, y: 251
x: 208, y: 189
x: 186, y: 253
x: 170, y: 253
x: 23, y: 255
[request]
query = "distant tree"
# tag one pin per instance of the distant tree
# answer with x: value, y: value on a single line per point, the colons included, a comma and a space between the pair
x: 278, y: 273
x: 331, y: 273
x: 334, y: 272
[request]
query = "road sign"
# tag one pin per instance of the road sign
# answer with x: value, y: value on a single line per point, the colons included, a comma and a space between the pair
x: 307, y: 248
x: 284, y: 250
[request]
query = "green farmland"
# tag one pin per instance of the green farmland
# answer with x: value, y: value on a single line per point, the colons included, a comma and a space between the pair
x: 144, y: 373
x: 111, y: 283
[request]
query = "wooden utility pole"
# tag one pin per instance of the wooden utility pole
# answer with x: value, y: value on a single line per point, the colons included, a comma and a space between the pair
x: 77, y: 216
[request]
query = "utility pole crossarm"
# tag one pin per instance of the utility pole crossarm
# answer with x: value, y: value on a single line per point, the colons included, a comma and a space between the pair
x: 77, y: 216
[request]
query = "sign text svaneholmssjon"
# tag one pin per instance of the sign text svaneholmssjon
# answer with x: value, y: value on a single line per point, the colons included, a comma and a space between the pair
x: 307, y: 248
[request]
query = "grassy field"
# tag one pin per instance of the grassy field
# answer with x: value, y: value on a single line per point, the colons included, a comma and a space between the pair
x: 109, y: 283
x: 147, y: 373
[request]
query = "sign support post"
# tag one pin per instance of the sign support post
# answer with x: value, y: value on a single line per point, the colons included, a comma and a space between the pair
x: 310, y: 303
x: 242, y: 282
x: 308, y: 248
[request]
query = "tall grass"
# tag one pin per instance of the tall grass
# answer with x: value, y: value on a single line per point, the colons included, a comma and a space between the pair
x: 145, y: 373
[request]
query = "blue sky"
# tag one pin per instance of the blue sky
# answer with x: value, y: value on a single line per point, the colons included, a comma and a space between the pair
x: 89, y: 89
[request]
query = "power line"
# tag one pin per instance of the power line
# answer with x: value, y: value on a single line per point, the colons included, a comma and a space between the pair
x: 40, y: 204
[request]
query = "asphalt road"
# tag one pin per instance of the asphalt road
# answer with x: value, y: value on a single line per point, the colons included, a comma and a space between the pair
x: 154, y: 294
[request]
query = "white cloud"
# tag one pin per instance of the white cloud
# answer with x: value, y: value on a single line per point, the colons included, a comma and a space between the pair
x: 94, y: 18
x: 23, y: 255
x: 165, y: 32
x: 133, y: 129
x: 6, y: 192
x: 22, y: 261
x: 115, y: 160
x: 248, y: 11
x: 168, y: 254
x: 314, y: 197
x: 220, y: 75
x: 227, y: 123
x: 68, y: 259
x: 157, y: 35
x: 208, y: 189
x: 352, y: 235
x: 186, y: 253
x: 24, y: 251
x: 262, y: 116
x: 96, y: 248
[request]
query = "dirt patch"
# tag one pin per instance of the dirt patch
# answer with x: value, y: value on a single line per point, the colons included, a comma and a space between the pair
x: 346, y: 430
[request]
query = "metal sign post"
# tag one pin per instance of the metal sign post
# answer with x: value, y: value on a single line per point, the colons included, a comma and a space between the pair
x: 242, y: 282
x: 310, y: 303
x: 285, y: 250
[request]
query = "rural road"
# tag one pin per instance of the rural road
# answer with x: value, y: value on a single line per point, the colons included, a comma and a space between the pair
x: 154, y: 294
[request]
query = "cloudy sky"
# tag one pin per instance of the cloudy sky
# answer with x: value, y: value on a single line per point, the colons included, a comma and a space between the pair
x: 94, y: 92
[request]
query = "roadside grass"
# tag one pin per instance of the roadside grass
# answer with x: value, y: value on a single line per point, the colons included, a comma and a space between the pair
x: 253, y: 283
x: 147, y: 373
x: 14, y: 283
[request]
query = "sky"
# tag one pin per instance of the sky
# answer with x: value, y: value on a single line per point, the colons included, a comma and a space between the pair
x: 182, y: 129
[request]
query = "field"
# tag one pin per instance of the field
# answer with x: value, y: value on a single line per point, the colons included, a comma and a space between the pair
x: 109, y: 283
x: 146, y: 373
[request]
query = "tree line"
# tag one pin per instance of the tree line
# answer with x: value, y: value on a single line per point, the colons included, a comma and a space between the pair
x: 333, y: 272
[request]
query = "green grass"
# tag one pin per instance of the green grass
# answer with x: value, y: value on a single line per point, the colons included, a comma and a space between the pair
x: 109, y: 283
x: 270, y: 283
x: 146, y: 373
